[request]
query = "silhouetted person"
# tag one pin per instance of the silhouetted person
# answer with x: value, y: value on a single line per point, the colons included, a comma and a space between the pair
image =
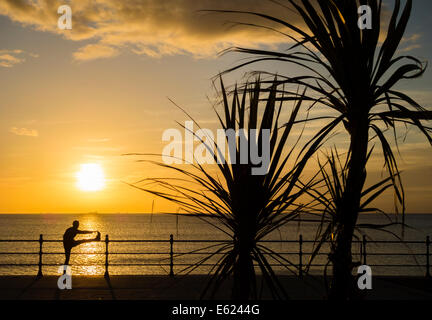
x: 69, y: 242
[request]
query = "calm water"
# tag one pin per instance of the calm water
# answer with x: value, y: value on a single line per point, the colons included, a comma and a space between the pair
x: 159, y: 227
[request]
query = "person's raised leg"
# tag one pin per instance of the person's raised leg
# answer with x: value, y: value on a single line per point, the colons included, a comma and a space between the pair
x: 78, y: 242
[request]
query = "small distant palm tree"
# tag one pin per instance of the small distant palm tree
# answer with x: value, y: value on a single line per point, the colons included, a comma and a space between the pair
x: 249, y: 207
x: 351, y: 73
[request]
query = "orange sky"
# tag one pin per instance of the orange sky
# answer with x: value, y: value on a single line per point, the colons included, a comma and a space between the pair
x: 100, y: 91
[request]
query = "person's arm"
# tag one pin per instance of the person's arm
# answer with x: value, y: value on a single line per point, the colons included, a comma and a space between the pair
x: 84, y: 232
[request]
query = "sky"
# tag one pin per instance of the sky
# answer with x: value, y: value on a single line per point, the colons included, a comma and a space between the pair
x: 100, y: 90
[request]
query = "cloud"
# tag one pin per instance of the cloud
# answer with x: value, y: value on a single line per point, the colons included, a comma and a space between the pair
x: 24, y: 132
x: 98, y: 149
x: 10, y: 58
x: 412, y: 38
x: 411, y: 47
x: 151, y: 27
x: 411, y: 42
x: 100, y: 140
x: 95, y: 51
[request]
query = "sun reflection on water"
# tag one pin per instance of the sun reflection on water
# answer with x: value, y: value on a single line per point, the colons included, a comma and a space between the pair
x: 89, y: 261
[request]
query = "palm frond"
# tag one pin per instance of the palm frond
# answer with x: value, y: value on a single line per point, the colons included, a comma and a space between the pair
x: 244, y: 206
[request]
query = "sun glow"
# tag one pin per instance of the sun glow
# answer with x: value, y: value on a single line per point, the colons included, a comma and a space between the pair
x: 90, y: 177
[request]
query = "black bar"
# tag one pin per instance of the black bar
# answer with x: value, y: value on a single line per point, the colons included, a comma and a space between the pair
x: 171, y: 255
x: 106, y: 275
x: 40, y: 257
x: 427, y: 257
x: 364, y: 250
x: 300, y: 256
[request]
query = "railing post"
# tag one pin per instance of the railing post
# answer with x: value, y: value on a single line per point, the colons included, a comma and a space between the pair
x: 106, y: 275
x: 40, y: 256
x: 364, y: 250
x: 300, y: 256
x: 427, y: 257
x: 171, y: 255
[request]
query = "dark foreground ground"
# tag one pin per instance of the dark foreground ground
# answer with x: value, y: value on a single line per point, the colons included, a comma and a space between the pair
x: 189, y: 288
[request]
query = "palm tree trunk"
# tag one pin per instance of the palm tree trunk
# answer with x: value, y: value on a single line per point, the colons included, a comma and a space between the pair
x: 244, y: 286
x: 343, y: 284
x: 243, y: 274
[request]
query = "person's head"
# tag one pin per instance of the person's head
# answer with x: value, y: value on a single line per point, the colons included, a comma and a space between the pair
x: 75, y: 224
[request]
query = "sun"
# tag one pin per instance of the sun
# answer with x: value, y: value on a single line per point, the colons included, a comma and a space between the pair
x: 91, y: 177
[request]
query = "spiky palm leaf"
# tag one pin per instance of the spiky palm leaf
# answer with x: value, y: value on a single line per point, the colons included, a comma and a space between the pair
x: 249, y: 207
x: 328, y: 196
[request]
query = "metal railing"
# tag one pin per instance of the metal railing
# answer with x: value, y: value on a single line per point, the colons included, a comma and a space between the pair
x: 172, y: 254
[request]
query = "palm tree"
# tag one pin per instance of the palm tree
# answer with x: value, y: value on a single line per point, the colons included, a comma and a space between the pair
x: 349, y: 71
x: 328, y: 194
x: 248, y: 206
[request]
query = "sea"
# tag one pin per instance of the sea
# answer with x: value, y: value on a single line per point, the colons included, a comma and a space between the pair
x: 189, y: 255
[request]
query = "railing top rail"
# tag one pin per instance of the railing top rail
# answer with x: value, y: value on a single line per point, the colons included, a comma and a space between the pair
x: 19, y: 240
x: 219, y: 241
